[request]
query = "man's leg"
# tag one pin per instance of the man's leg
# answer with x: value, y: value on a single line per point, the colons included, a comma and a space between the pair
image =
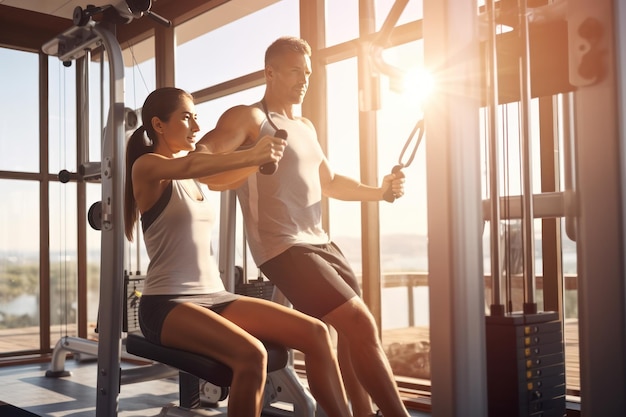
x: 359, y: 398
x: 354, y: 322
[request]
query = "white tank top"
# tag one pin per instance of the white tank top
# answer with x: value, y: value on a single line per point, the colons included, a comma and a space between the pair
x: 284, y: 209
x: 178, y: 241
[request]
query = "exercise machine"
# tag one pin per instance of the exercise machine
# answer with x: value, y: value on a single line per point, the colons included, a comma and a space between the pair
x: 198, y: 376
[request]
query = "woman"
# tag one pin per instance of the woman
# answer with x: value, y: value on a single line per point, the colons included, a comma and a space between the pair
x: 184, y: 304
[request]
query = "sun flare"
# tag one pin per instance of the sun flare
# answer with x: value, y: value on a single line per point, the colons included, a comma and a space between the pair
x: 419, y: 84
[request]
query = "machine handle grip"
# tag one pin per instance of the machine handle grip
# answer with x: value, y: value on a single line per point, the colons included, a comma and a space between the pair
x: 388, y: 194
x: 271, y: 167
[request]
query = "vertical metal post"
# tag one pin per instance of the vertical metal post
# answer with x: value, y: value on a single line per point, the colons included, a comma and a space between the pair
x: 226, y: 256
x: 370, y: 228
x: 455, y: 220
x: 82, y: 156
x: 597, y: 61
x: 528, y: 235
x: 497, y: 307
x: 113, y: 239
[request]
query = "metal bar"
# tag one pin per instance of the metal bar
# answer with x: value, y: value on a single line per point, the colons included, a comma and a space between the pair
x: 82, y: 147
x: 370, y: 217
x: 569, y: 177
x: 528, y: 235
x: 44, y: 201
x: 545, y: 206
x: 497, y: 307
x: 455, y: 225
x: 601, y: 196
x: 226, y: 256
x: 113, y: 238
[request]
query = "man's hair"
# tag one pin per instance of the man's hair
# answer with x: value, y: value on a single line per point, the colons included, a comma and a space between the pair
x: 286, y: 44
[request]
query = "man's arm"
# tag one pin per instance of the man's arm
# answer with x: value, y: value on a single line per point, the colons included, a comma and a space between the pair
x: 238, y: 127
x: 345, y: 188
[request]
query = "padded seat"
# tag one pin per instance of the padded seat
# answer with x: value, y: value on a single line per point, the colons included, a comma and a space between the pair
x: 196, y: 366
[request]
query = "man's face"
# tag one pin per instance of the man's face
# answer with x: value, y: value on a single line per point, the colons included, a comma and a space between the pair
x: 290, y: 76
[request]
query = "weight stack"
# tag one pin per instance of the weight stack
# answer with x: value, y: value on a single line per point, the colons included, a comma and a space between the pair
x: 258, y: 288
x: 525, y: 365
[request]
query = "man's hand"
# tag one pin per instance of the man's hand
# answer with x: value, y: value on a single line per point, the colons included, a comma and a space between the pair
x: 393, y: 184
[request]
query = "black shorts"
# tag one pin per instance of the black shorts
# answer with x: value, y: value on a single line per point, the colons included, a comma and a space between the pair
x: 153, y: 309
x: 316, y: 279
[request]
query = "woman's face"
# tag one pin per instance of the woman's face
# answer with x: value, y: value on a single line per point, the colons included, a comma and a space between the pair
x: 179, y: 132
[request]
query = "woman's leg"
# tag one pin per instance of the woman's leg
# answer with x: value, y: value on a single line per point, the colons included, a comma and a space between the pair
x: 200, y: 330
x: 273, y: 322
x: 355, y: 324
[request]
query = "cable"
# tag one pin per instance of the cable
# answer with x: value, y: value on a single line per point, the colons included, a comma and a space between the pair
x: 419, y: 126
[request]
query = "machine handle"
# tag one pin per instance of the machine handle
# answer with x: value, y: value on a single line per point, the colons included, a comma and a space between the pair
x: 271, y: 167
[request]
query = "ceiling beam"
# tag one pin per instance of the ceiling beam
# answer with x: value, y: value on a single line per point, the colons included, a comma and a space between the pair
x: 28, y: 30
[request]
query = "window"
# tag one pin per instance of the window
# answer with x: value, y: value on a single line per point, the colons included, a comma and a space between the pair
x: 342, y: 21
x: 63, y: 260
x: 19, y: 111
x: 220, y: 52
x: 343, y: 155
x: 403, y: 224
x: 62, y: 116
x: 20, y: 206
x: 19, y: 264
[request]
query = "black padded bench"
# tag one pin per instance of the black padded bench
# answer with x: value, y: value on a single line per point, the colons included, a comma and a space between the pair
x: 193, y: 367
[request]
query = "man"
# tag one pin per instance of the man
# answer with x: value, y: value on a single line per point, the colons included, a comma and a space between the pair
x: 282, y: 216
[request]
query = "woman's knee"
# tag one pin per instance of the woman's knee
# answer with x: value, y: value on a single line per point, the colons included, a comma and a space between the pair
x: 250, y: 360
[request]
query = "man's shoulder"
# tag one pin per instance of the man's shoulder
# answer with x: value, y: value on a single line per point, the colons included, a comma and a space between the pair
x: 244, y: 110
x: 241, y: 115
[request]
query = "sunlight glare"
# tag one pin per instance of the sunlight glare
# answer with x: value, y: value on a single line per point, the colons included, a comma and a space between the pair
x: 419, y: 84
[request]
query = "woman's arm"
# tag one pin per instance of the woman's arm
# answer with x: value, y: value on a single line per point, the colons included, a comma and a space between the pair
x: 154, y: 167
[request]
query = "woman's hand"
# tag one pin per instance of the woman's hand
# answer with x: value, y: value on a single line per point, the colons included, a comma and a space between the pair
x: 268, y: 149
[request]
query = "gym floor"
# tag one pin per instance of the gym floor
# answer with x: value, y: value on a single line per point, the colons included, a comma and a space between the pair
x: 27, y: 388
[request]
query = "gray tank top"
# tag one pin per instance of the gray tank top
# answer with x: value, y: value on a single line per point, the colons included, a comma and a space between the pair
x: 284, y: 209
x: 178, y: 241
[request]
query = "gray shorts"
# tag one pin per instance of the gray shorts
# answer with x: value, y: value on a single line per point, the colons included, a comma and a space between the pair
x: 153, y: 309
x: 316, y: 279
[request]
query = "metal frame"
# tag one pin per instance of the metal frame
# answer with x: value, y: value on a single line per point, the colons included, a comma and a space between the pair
x: 600, y: 191
x: 71, y: 45
x: 457, y: 327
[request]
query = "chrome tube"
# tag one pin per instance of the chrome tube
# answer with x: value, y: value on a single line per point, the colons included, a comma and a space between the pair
x: 494, y: 181
x: 528, y: 237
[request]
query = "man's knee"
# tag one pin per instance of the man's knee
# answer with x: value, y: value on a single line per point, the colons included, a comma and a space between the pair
x: 353, y: 318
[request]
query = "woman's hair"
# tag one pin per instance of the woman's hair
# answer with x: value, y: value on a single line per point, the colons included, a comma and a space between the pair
x: 161, y: 103
x: 286, y: 44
